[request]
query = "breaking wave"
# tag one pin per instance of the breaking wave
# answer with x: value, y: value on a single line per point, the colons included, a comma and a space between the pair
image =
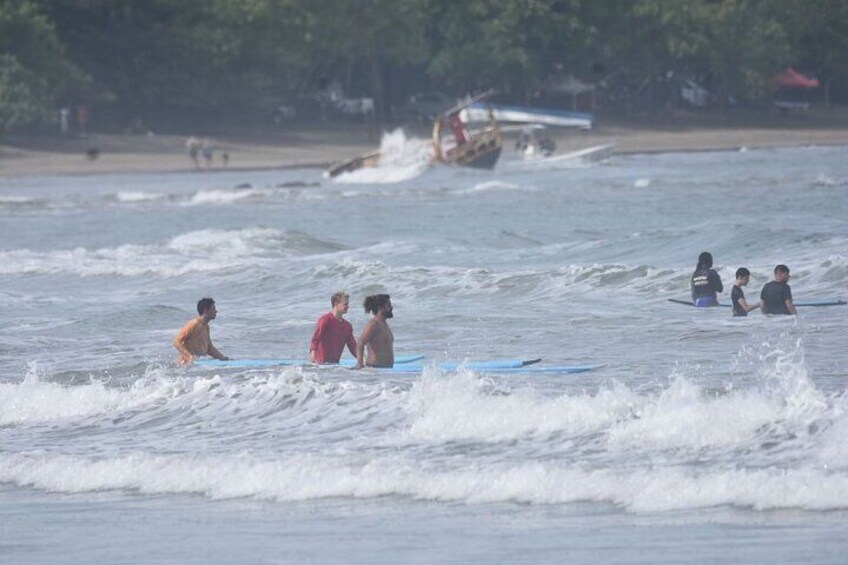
x: 777, y: 444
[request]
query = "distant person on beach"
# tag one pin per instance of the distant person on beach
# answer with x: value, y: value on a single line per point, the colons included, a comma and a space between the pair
x: 194, y: 339
x: 332, y: 333
x: 193, y: 148
x: 737, y: 297
x: 64, y: 120
x: 776, y: 296
x: 82, y: 119
x: 208, y: 151
x: 377, y: 336
x: 705, y: 282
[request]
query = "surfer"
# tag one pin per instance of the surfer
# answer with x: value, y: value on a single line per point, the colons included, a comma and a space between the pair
x: 377, y: 335
x: 705, y: 282
x: 737, y: 297
x: 776, y: 296
x: 194, y: 339
x: 332, y: 333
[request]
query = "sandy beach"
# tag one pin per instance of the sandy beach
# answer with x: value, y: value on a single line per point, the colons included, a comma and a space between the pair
x: 319, y: 146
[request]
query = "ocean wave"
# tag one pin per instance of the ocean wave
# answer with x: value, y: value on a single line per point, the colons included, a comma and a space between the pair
x: 647, y: 489
x: 783, y: 406
x: 681, y: 416
x: 202, y: 251
x: 293, y: 434
x: 14, y: 202
x: 228, y: 196
x: 493, y: 185
x: 827, y: 276
x: 828, y: 181
x: 36, y: 400
x: 134, y: 196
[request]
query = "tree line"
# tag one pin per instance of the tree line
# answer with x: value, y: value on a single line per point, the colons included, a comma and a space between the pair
x: 197, y: 61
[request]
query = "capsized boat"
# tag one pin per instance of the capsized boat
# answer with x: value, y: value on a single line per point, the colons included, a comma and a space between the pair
x: 370, y: 159
x: 454, y: 143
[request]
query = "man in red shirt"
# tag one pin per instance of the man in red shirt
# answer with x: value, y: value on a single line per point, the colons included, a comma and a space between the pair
x: 332, y: 333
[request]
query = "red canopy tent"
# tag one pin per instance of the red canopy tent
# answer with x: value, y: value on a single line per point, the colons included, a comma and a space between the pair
x: 790, y: 78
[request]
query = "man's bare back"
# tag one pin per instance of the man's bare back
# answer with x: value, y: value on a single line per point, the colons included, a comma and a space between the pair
x: 380, y: 340
x: 377, y: 336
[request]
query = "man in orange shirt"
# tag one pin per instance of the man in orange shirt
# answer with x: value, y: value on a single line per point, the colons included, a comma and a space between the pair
x: 194, y: 339
x: 332, y: 333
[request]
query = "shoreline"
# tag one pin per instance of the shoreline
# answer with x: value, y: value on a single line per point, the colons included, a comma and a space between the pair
x: 319, y: 147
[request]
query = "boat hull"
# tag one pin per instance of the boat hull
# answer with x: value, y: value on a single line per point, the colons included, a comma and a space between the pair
x: 370, y: 159
x: 482, y: 151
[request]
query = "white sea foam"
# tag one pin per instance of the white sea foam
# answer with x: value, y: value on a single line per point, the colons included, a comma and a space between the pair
x: 683, y: 416
x: 401, y: 159
x: 833, y: 450
x: 34, y: 400
x: 130, y: 196
x: 825, y: 180
x: 650, y: 451
x: 227, y: 196
x: 449, y: 408
x: 305, y: 477
x: 13, y: 199
x: 494, y: 185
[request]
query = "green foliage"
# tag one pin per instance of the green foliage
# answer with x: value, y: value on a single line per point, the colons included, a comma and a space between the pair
x: 24, y: 98
x: 33, y: 68
x: 194, y: 59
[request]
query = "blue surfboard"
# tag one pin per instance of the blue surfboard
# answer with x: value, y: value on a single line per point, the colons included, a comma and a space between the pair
x: 821, y: 303
x: 526, y: 370
x: 809, y: 303
x: 450, y: 366
x: 258, y: 363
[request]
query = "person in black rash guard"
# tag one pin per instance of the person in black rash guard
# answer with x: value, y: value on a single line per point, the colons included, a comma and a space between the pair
x: 705, y: 282
x: 737, y: 297
x: 776, y: 296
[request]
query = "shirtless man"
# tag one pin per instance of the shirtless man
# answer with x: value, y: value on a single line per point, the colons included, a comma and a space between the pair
x: 332, y: 333
x: 194, y: 340
x: 377, y: 335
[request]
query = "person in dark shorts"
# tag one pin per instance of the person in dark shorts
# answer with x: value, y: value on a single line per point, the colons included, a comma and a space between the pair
x: 705, y: 282
x: 737, y: 297
x: 776, y: 296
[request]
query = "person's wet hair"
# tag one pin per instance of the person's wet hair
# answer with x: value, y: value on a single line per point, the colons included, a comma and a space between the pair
x: 742, y: 272
x: 705, y: 261
x: 781, y: 269
x: 204, y: 305
x: 374, y: 302
x: 338, y: 297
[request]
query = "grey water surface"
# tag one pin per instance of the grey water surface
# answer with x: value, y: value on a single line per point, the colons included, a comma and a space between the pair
x: 702, y: 439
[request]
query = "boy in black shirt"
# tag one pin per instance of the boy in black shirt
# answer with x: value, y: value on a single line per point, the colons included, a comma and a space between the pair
x: 737, y: 297
x: 776, y: 296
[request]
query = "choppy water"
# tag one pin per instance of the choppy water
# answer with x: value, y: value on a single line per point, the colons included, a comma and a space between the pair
x: 703, y: 439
